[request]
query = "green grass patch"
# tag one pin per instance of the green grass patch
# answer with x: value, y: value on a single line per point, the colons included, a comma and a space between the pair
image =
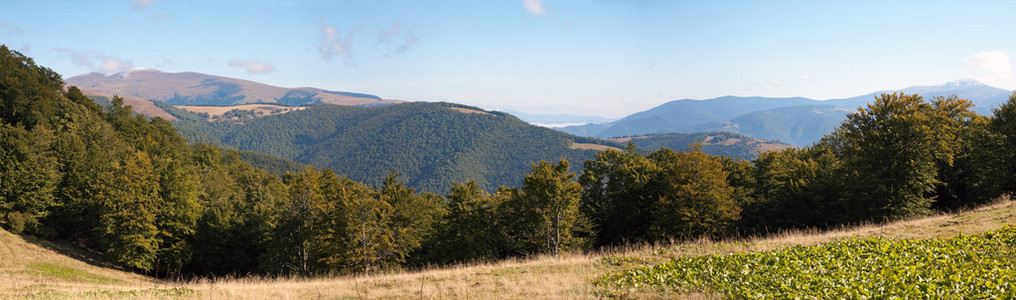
x: 965, y: 267
x: 62, y: 272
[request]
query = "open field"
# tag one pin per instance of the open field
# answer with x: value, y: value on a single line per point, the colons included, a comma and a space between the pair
x: 597, y: 147
x: 31, y: 268
x: 265, y: 109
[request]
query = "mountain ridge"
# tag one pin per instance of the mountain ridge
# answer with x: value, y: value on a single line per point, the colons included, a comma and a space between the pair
x: 193, y: 88
x: 694, y: 115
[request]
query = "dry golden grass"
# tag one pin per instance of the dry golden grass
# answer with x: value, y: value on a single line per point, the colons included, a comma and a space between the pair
x: 161, y: 86
x: 216, y: 111
x: 597, y: 147
x: 139, y: 105
x: 565, y: 277
x: 469, y: 111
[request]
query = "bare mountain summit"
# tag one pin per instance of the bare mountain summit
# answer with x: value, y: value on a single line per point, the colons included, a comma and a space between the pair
x: 189, y: 88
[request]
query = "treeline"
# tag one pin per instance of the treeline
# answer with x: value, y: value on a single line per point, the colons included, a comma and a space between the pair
x: 899, y: 157
x: 134, y: 190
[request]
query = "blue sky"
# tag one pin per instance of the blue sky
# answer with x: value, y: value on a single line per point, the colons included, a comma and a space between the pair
x: 596, y: 57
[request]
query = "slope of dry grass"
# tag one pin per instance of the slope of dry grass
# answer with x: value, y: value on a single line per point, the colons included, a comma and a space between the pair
x: 141, y: 106
x: 30, y: 268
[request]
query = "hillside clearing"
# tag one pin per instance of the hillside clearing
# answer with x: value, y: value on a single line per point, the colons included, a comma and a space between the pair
x: 141, y: 106
x: 214, y: 111
x: 30, y: 268
x: 597, y: 147
x: 468, y: 111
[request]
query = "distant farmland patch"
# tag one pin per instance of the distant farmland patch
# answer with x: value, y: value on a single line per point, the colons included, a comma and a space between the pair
x: 597, y: 147
x: 469, y: 111
x: 250, y: 110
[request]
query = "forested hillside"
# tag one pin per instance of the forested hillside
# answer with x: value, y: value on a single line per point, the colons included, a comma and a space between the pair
x: 432, y: 144
x: 720, y: 143
x: 797, y: 125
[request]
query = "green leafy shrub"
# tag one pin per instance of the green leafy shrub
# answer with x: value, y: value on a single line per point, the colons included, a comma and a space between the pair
x: 964, y: 267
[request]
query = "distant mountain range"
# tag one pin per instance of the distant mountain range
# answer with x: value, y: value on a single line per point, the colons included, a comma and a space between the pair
x: 797, y: 121
x: 189, y: 88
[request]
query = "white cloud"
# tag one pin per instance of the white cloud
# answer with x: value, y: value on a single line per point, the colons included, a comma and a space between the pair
x: 141, y: 4
x: 112, y: 64
x: 777, y: 82
x: 995, y: 66
x: 253, y: 66
x: 804, y: 77
x: 97, y: 61
x: 534, y: 7
x: 396, y: 39
x: 12, y: 29
x: 333, y: 43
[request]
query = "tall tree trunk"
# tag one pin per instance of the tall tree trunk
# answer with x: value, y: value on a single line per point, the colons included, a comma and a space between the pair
x: 557, y: 233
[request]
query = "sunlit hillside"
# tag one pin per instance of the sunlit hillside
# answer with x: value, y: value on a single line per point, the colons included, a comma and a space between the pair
x: 30, y: 268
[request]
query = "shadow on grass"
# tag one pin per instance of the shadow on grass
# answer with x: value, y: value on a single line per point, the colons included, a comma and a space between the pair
x: 75, y: 252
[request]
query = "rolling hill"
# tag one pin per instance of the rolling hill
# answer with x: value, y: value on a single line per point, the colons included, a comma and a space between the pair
x: 141, y: 106
x: 795, y: 125
x: 431, y: 144
x: 797, y: 121
x: 728, y: 144
x: 189, y: 88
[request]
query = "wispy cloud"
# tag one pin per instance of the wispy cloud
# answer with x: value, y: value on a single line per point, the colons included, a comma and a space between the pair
x: 12, y: 29
x: 97, y: 61
x: 534, y: 7
x: 995, y: 66
x: 396, y: 39
x: 26, y: 48
x: 141, y: 4
x: 804, y: 77
x: 386, y: 36
x: 334, y: 43
x: 253, y: 66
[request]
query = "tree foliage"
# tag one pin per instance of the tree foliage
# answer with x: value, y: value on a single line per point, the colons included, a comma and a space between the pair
x: 695, y: 197
x: 554, y: 196
x: 889, y: 152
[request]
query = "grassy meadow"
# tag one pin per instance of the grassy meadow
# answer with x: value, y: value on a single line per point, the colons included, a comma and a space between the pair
x: 31, y: 268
